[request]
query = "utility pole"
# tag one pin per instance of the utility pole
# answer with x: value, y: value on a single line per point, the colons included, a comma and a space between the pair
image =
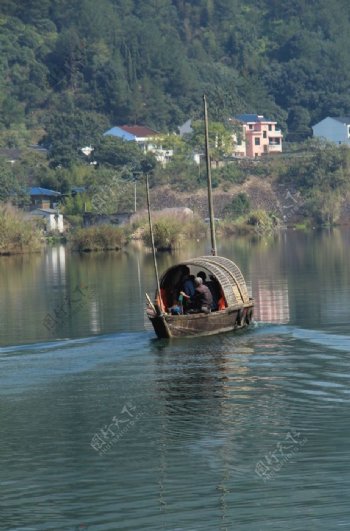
x: 135, y: 195
x: 135, y: 174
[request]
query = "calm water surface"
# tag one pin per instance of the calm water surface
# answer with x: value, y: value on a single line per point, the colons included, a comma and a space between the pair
x: 103, y: 427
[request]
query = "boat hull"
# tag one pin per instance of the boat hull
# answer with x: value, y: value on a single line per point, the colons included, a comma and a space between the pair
x: 201, y: 324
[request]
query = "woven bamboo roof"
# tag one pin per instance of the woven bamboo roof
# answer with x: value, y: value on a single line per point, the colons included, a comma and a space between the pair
x: 226, y: 272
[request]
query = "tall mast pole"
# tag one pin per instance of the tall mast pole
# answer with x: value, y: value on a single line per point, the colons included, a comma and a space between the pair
x: 210, y: 196
x: 152, y: 237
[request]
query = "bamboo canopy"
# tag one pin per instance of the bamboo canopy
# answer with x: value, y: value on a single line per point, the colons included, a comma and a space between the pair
x: 226, y: 272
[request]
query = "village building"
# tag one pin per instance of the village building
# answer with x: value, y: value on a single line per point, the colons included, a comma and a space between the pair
x: 43, y: 197
x: 53, y: 219
x: 44, y: 204
x: 336, y: 130
x: 148, y: 139
x: 254, y: 135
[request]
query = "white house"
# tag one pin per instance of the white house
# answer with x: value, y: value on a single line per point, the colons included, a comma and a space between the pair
x: 53, y: 219
x: 333, y: 129
x: 145, y: 137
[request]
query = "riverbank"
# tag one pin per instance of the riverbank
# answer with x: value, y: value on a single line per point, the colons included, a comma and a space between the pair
x: 260, y: 197
x: 17, y: 233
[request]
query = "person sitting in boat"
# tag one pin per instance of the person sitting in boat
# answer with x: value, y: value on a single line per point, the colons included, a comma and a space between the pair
x: 202, y: 299
x: 187, y: 285
x: 213, y: 286
x: 215, y: 289
x: 187, y: 289
x: 177, y: 307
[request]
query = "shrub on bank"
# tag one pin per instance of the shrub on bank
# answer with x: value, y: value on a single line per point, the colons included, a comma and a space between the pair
x: 231, y: 173
x: 166, y: 233
x: 17, y: 234
x: 97, y: 238
x: 257, y: 221
x: 169, y: 231
x: 74, y: 220
x: 261, y: 220
x: 239, y: 206
x: 324, y: 208
x: 195, y: 229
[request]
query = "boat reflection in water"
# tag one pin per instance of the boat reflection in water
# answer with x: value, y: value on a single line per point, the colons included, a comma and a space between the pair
x: 271, y: 301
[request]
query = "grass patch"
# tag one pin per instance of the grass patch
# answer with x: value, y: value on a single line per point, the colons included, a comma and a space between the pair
x: 170, y: 229
x: 303, y: 226
x: 17, y: 233
x: 97, y: 238
x: 256, y: 222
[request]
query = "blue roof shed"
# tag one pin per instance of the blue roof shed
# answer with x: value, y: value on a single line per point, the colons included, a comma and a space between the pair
x: 38, y: 191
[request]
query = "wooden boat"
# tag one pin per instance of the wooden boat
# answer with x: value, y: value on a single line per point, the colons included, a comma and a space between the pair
x: 236, y: 313
x: 235, y: 308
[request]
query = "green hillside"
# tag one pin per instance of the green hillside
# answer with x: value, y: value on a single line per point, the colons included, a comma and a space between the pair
x: 72, y: 69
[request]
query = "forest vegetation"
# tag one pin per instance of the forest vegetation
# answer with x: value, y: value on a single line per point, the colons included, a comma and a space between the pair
x: 71, y: 70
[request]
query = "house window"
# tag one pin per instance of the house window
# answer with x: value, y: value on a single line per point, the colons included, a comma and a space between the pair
x: 257, y: 141
x: 270, y: 127
x: 250, y: 126
x: 264, y: 134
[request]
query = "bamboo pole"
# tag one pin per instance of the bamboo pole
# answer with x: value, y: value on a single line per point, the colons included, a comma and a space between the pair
x: 150, y: 302
x: 152, y: 238
x: 210, y: 196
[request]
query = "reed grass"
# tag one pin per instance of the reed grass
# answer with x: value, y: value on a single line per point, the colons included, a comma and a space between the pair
x: 17, y: 233
x: 97, y: 238
x: 171, y: 231
x: 256, y: 222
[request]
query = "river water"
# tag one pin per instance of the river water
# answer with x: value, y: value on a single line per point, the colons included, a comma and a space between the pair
x: 104, y: 427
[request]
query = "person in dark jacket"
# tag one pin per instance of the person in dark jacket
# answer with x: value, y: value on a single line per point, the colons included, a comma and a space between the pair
x: 187, y: 290
x: 188, y: 286
x: 215, y: 290
x: 202, y: 299
x: 214, y: 287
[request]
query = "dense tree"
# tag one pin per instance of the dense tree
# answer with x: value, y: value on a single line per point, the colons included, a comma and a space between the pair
x: 220, y: 139
x: 117, y: 153
x: 69, y: 132
x: 12, y: 188
x: 150, y: 62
